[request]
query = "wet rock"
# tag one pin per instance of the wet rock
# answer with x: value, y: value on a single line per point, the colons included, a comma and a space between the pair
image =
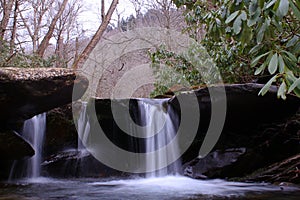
x: 76, y: 163
x: 25, y: 93
x: 286, y: 171
x: 244, y: 108
x: 61, y: 133
x: 245, y: 112
x: 213, y: 164
x: 13, y: 146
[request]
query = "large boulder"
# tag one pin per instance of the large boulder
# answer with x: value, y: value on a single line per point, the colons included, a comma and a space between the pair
x: 213, y: 164
x: 25, y: 92
x: 245, y: 112
x: 13, y: 146
x: 77, y: 163
x: 287, y: 170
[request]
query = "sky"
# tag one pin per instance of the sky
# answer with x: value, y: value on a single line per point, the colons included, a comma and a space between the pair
x: 90, y: 18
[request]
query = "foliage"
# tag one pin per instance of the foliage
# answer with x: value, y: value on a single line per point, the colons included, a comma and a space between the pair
x: 192, y: 68
x: 251, y: 36
x: 14, y: 58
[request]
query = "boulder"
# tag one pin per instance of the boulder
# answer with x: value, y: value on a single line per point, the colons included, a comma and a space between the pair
x: 77, y: 163
x: 246, y: 111
x: 13, y: 146
x: 25, y: 92
x: 61, y: 133
x: 213, y: 164
x: 245, y: 108
x: 287, y: 170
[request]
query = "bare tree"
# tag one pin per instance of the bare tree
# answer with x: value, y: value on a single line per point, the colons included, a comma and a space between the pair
x: 66, y: 33
x: 138, y: 5
x: 14, y: 26
x: 45, y: 42
x: 33, y: 16
x: 98, y: 35
x: 7, y: 6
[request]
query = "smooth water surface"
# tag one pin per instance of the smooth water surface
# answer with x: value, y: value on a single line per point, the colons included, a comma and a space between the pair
x: 164, y: 188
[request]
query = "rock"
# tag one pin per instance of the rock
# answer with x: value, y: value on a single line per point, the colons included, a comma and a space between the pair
x: 25, y: 93
x: 14, y: 147
x: 245, y: 112
x: 74, y: 163
x: 243, y: 105
x: 213, y: 164
x: 286, y: 171
x: 266, y: 145
x: 61, y: 133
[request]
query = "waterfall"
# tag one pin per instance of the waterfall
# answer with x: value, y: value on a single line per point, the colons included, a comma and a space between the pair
x: 83, y: 127
x: 33, y: 131
x: 161, y: 123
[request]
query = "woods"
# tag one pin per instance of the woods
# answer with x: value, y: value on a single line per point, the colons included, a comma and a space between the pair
x: 247, y: 40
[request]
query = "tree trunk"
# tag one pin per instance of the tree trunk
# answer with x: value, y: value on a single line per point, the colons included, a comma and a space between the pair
x: 14, y: 29
x: 7, y: 9
x: 102, y: 10
x: 96, y: 38
x: 45, y: 42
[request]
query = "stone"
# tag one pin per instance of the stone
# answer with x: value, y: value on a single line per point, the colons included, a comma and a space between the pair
x: 77, y: 163
x: 286, y: 171
x: 13, y: 146
x: 212, y: 165
x: 25, y: 92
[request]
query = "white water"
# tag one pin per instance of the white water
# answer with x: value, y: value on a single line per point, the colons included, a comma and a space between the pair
x: 83, y: 127
x: 33, y: 131
x: 161, y: 124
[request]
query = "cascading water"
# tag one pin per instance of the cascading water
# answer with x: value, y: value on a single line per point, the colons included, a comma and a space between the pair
x: 33, y: 131
x: 83, y: 127
x: 161, y: 124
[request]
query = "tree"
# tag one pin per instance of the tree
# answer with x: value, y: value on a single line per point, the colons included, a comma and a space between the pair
x: 7, y: 6
x: 45, y: 42
x: 66, y: 31
x: 96, y: 38
x: 252, y: 36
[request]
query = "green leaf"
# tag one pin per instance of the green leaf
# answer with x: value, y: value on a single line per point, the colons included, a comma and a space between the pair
x: 253, y: 7
x: 295, y: 9
x: 260, y: 69
x: 294, y: 85
x: 266, y: 88
x: 237, y: 25
x: 273, y: 65
x: 289, y: 63
x: 261, y: 3
x: 255, y: 49
x: 292, y: 41
x: 261, y: 32
x: 246, y: 35
x: 257, y: 59
x: 270, y: 4
x: 282, y: 91
x: 291, y: 56
x: 232, y: 17
x: 281, y: 64
x: 283, y: 8
x: 254, y: 18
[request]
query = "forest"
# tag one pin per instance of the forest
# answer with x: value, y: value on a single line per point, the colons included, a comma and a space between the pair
x: 248, y: 40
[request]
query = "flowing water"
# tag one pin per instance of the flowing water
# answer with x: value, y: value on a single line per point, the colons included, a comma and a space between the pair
x: 162, y: 188
x: 33, y: 131
x: 83, y: 127
x: 161, y: 123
